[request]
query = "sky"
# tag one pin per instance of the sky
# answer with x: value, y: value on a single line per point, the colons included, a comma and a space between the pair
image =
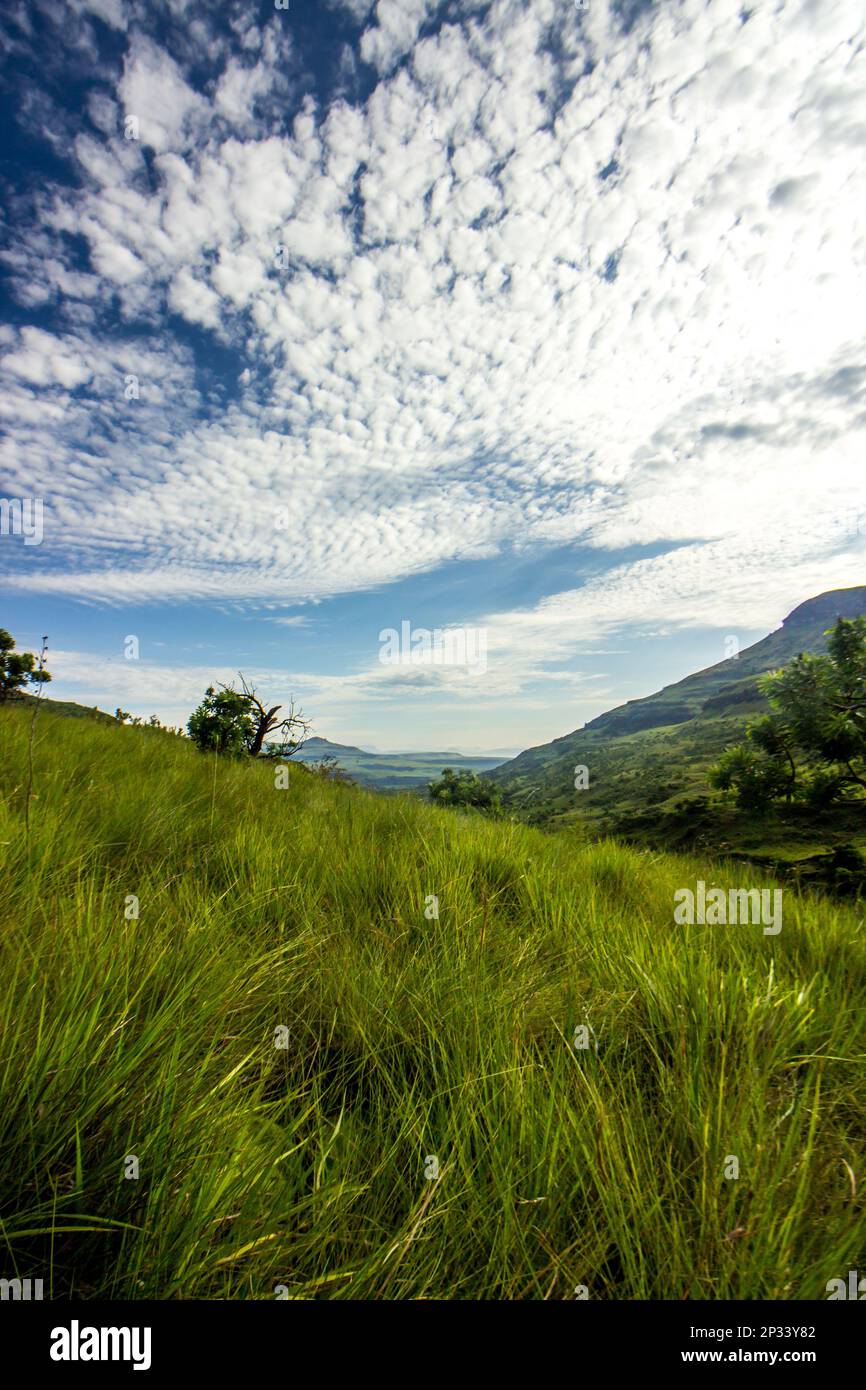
x: 460, y: 369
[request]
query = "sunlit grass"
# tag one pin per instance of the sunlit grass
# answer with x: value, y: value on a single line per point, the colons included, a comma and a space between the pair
x: 408, y: 1040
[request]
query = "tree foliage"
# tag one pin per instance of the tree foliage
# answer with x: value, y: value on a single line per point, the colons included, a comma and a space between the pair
x: 465, y: 789
x: 18, y: 669
x: 812, y: 746
x: 235, y: 722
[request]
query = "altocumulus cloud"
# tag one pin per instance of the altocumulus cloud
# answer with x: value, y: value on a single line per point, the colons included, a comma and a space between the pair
x: 484, y: 275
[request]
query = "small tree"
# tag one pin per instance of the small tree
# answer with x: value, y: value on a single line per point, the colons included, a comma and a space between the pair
x: 236, y: 722
x: 465, y: 789
x: 222, y: 723
x: 812, y: 746
x: 18, y: 669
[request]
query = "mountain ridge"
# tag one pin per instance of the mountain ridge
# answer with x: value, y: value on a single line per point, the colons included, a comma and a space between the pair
x: 737, y: 675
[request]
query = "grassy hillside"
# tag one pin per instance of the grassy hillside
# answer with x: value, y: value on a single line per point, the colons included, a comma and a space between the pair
x: 647, y: 761
x: 407, y: 1040
x: 68, y: 708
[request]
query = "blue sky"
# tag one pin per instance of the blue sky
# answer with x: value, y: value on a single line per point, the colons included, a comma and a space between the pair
x: 535, y: 322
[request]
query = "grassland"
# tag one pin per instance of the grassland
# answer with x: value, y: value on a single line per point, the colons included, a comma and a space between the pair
x: 407, y: 1039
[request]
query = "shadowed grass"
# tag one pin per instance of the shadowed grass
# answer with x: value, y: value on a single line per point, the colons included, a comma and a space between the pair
x: 406, y: 1040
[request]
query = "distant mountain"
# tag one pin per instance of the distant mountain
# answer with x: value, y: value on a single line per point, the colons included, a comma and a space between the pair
x: 391, y: 772
x: 457, y: 757
x: 316, y: 748
x: 323, y: 747
x: 647, y: 760
x: 499, y: 754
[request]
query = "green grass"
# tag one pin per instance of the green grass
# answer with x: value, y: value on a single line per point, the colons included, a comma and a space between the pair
x: 407, y: 1038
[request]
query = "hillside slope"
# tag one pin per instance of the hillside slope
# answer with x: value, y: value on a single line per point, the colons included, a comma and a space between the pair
x: 649, y: 757
x: 66, y: 708
x: 238, y: 1055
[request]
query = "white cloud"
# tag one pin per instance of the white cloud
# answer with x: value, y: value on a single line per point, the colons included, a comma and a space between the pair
x: 43, y: 360
x: 358, y: 9
x: 116, y: 262
x: 470, y: 339
x: 238, y: 89
x: 153, y: 89
x: 395, y: 31
x: 194, y: 299
x: 112, y: 11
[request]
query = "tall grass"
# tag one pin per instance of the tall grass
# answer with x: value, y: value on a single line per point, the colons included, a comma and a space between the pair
x: 408, y: 1040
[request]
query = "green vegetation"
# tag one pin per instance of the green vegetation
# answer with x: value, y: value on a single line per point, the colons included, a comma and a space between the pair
x: 466, y: 791
x: 19, y: 669
x: 235, y: 723
x: 222, y: 723
x: 812, y: 747
x: 169, y: 914
x: 68, y: 709
x: 122, y: 716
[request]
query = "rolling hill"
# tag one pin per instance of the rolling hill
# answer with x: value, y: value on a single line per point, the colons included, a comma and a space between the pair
x: 67, y: 709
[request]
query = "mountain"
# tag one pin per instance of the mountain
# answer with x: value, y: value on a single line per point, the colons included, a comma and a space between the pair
x: 390, y: 772
x: 316, y: 748
x: 734, y: 682
x: 647, y: 760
